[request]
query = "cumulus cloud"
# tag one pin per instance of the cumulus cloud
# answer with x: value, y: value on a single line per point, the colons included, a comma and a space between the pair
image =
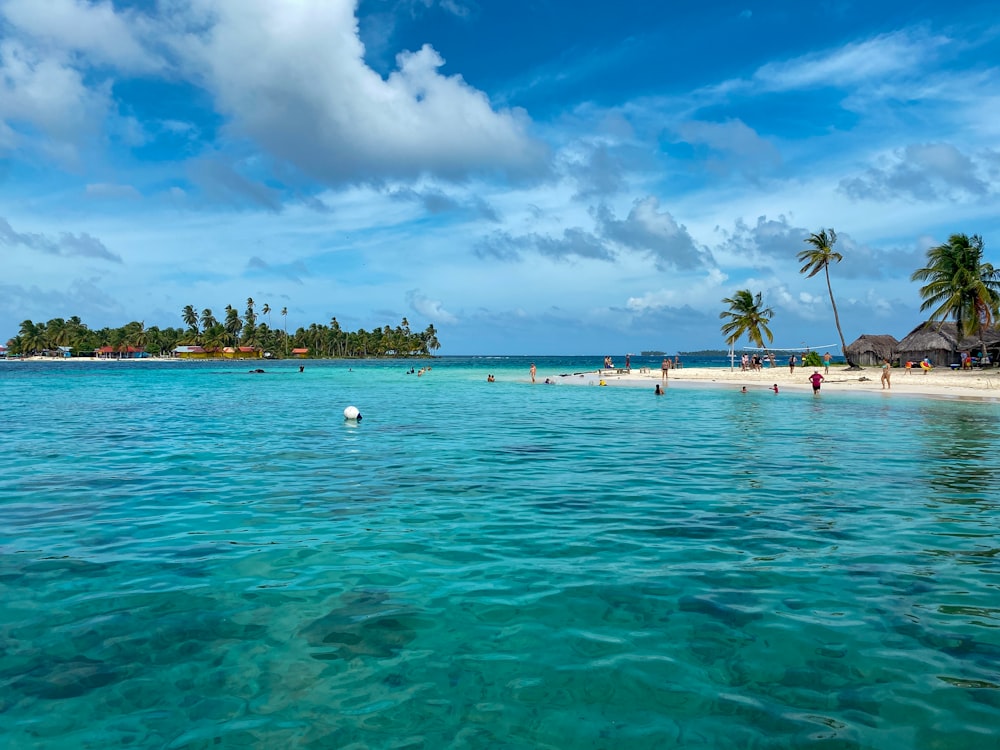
x: 657, y: 233
x: 67, y: 245
x: 730, y: 145
x: 707, y: 288
x: 599, y: 173
x: 924, y: 172
x: 93, y: 29
x: 46, y: 95
x: 431, y: 309
x: 763, y: 243
x: 293, y: 79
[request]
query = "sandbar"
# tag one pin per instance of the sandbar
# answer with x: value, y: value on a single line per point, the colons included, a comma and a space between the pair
x: 940, y: 382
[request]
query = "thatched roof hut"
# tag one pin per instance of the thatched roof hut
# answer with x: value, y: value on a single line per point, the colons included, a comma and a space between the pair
x: 871, y: 349
x: 940, y: 343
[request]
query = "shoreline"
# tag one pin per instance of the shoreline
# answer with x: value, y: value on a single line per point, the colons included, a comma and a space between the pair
x: 939, y: 383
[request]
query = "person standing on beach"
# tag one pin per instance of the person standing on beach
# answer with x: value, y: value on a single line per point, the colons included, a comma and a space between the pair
x: 826, y: 363
x: 791, y: 365
x: 886, y: 374
x: 664, y: 368
x: 816, y: 379
x: 533, y: 371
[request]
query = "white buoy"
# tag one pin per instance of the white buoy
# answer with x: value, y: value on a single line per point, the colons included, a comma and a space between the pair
x: 351, y: 414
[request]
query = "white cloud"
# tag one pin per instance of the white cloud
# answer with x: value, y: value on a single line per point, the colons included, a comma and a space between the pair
x: 851, y: 64
x: 740, y: 144
x: 292, y: 77
x: 657, y: 233
x: 47, y: 95
x: 925, y: 172
x: 93, y: 29
x: 704, y: 291
x: 431, y: 309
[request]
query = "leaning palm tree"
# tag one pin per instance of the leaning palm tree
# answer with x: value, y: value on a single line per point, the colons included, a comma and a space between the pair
x: 960, y: 285
x: 818, y: 258
x: 746, y: 316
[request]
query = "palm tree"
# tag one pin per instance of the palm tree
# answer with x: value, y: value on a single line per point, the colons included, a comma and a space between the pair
x: 430, y: 338
x: 233, y: 324
x: 207, y: 319
x: 190, y: 317
x: 136, y: 335
x: 284, y: 314
x: 746, y: 316
x: 250, y: 315
x: 960, y: 285
x: 818, y: 258
x: 33, y: 337
x: 266, y: 310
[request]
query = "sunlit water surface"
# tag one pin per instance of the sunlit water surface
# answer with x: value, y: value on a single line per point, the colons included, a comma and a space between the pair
x: 193, y: 556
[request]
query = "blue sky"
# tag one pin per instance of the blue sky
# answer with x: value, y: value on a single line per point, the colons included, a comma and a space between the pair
x: 531, y: 177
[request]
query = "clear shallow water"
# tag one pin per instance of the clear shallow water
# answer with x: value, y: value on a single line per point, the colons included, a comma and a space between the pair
x: 193, y: 557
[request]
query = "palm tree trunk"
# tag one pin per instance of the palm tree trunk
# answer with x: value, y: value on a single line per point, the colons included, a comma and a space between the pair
x: 836, y: 319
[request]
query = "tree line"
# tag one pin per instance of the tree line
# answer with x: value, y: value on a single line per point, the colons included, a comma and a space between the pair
x: 959, y: 285
x: 251, y: 328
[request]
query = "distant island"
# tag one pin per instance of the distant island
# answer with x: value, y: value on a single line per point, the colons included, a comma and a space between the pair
x: 245, y: 336
x: 652, y: 353
x: 706, y: 353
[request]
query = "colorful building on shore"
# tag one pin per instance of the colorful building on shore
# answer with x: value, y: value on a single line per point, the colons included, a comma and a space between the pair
x: 120, y: 352
x: 192, y: 351
x: 242, y: 352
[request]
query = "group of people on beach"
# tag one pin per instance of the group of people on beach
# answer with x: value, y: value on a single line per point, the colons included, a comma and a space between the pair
x: 667, y: 365
x: 753, y: 363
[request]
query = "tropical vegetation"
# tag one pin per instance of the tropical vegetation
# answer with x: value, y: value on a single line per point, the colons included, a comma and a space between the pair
x: 960, y: 285
x: 233, y: 330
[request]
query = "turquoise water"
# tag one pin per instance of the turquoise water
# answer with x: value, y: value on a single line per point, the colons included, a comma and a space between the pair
x: 193, y: 556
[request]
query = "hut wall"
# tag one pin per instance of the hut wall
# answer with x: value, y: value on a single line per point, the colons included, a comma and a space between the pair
x: 938, y: 357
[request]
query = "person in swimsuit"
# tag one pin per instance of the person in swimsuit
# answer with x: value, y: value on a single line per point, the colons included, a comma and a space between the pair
x: 816, y: 379
x: 886, y: 374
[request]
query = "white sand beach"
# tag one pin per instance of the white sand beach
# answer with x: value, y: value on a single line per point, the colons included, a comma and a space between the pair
x: 941, y: 382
